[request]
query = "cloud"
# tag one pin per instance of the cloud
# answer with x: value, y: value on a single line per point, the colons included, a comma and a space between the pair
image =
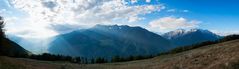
x: 2, y: 11
x: 49, y: 4
x: 185, y: 11
x: 85, y: 11
x: 176, y: 10
x: 171, y: 10
x: 148, y: 1
x: 172, y: 23
x: 134, y: 1
x: 225, y: 33
x: 65, y: 28
x: 46, y: 13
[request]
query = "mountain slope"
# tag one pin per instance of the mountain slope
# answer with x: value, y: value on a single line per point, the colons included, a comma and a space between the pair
x: 10, y: 48
x: 107, y: 41
x: 183, y: 37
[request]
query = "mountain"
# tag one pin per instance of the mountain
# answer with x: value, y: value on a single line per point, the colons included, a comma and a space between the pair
x: 10, y: 48
x: 183, y: 37
x: 109, y: 40
x: 34, y: 45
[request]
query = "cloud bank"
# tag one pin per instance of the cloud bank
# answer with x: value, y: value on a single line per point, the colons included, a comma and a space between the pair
x: 42, y: 15
x: 172, y: 23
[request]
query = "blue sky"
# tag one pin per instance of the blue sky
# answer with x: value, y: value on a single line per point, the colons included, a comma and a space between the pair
x: 42, y: 18
x: 218, y: 14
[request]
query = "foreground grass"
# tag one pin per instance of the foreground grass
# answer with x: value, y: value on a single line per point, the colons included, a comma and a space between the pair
x: 6, y: 64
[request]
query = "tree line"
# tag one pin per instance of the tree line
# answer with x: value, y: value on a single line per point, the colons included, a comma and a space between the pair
x: 82, y: 60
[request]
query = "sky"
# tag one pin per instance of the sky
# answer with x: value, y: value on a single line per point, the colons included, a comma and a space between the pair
x: 47, y: 18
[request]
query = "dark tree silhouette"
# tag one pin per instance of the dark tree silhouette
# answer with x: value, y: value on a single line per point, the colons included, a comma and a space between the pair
x: 1, y: 29
x: 100, y: 60
x: 1, y: 34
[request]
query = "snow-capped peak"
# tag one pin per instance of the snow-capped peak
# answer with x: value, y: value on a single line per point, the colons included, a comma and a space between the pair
x: 177, y: 32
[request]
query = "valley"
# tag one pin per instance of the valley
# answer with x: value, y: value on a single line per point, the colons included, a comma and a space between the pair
x: 217, y: 56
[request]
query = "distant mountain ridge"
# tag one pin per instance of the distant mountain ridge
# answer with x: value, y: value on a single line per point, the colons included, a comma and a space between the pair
x: 34, y: 45
x: 181, y: 37
x: 109, y: 40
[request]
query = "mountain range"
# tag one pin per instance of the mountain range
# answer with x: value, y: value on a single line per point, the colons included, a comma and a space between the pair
x: 122, y: 40
x: 108, y: 41
x: 181, y: 37
x: 115, y: 40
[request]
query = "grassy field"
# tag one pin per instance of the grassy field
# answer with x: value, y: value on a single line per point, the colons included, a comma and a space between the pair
x: 218, y: 56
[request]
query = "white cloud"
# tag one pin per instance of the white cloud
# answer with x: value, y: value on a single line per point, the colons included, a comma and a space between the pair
x: 176, y: 10
x: 148, y: 1
x: 27, y: 28
x: 2, y: 11
x: 171, y: 10
x: 225, y: 33
x: 185, y: 11
x: 134, y: 1
x: 43, y: 13
x: 171, y: 23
